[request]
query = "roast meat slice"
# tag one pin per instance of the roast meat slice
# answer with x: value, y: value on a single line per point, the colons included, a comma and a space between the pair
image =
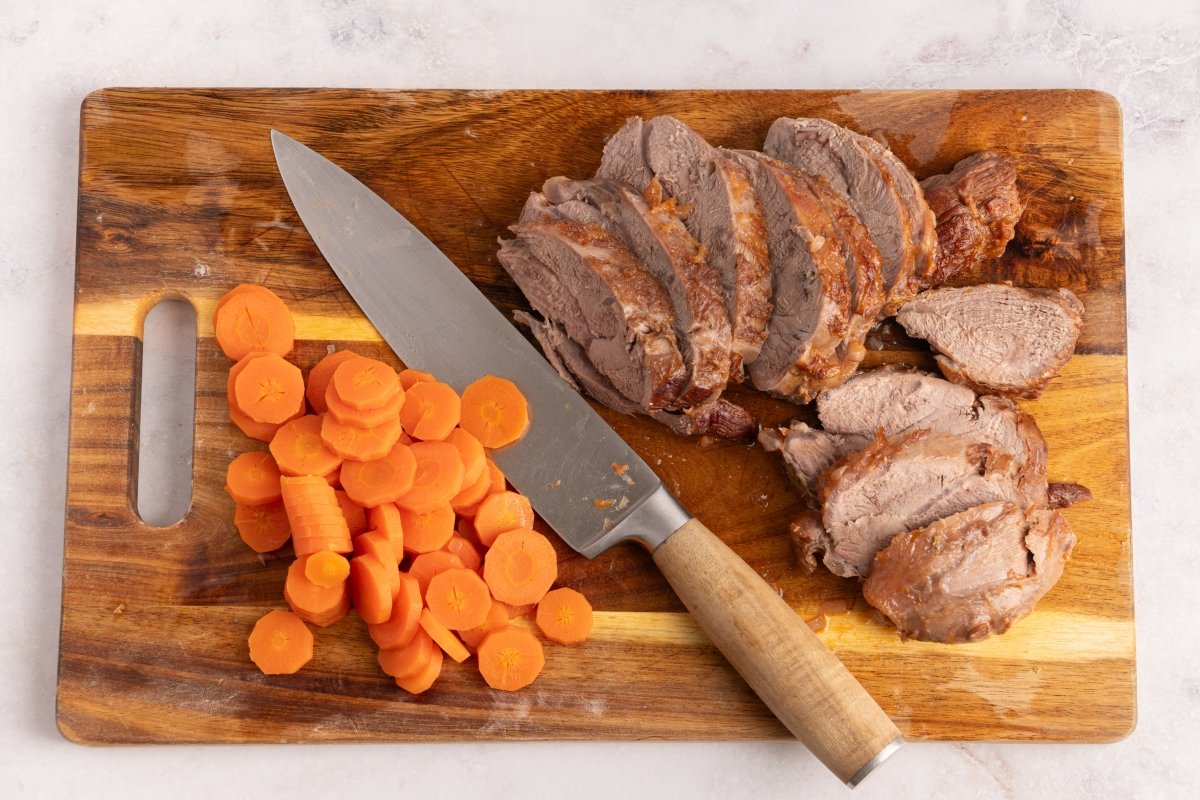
x: 807, y: 452
x: 977, y: 207
x: 996, y: 338
x: 969, y: 575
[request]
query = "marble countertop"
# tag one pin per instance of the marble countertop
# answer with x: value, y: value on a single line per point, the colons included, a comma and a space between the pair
x: 1147, y: 54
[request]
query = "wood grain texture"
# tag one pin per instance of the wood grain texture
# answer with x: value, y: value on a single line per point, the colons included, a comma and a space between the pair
x: 179, y: 197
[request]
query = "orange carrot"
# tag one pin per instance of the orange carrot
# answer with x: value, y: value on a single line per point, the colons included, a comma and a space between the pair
x: 421, y: 680
x: 264, y: 528
x: 565, y: 616
x: 326, y: 569
x: 370, y: 589
x: 504, y: 511
x: 383, y: 480
x: 359, y: 444
x: 334, y: 478
x: 465, y: 551
x: 443, y: 637
x: 439, y: 477
x: 362, y: 417
x: 424, y: 533
x: 355, y: 514
x: 467, y: 501
x: 320, y: 376
x: 385, y: 518
x: 497, y: 618
x: 458, y: 598
x: 377, y: 544
x: 499, y: 482
x: 364, y: 383
x: 410, y: 376
x: 253, y: 320
x: 510, y: 658
x: 298, y: 449
x: 263, y: 431
x: 430, y: 412
x: 406, y: 616
x: 320, y: 605
x: 280, y: 643
x: 426, y: 565
x: 495, y: 411
x: 269, y: 389
x: 253, y: 479
x: 316, y: 519
x: 466, y: 529
x: 234, y: 292
x: 409, y: 658
x: 470, y: 451
x: 520, y: 566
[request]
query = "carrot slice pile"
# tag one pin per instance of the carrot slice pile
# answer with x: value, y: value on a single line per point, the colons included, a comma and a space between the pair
x: 384, y: 484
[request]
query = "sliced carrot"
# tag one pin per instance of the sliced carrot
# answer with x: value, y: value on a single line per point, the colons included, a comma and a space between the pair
x: 471, y: 452
x: 365, y: 383
x: 334, y: 478
x: 359, y: 444
x: 426, y: 565
x: 252, y: 479
x: 378, y: 545
x: 500, y: 512
x: 269, y: 389
x: 385, y: 518
x: 407, y: 659
x: 320, y: 605
x: 253, y: 320
x: 362, y: 418
x: 466, y: 529
x: 410, y: 376
x: 370, y: 589
x: 422, y: 680
x: 264, y: 528
x: 431, y: 410
x: 565, y: 616
x: 520, y: 566
x: 314, y: 515
x: 466, y: 552
x: 298, y: 449
x: 262, y: 431
x: 439, y: 477
x: 467, y: 501
x: 383, y: 480
x: 405, y: 620
x: 280, y: 643
x: 510, y: 658
x: 499, y: 482
x: 355, y: 514
x: 326, y: 569
x: 312, y: 545
x: 443, y: 637
x: 234, y: 292
x: 497, y: 618
x: 424, y: 533
x: 458, y: 598
x: 320, y: 375
x: 495, y: 411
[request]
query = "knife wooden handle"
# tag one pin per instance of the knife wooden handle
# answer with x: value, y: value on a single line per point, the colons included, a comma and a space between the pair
x: 784, y: 662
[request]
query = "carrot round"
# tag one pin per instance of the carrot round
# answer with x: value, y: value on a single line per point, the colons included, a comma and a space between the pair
x: 326, y: 569
x: 264, y: 528
x: 359, y: 444
x: 425, y: 533
x: 495, y: 411
x: 458, y: 598
x: 298, y: 449
x: 465, y: 550
x: 269, y: 389
x: 500, y: 512
x: 421, y: 680
x: 520, y: 567
x: 370, y: 589
x: 234, y: 292
x: 467, y: 501
x: 510, y: 658
x: 443, y: 637
x: 466, y: 529
x: 431, y: 410
x: 252, y: 479
x: 471, y: 452
x: 253, y: 320
x: 497, y: 617
x: 362, y: 417
x: 426, y: 565
x: 320, y: 375
x: 385, y: 518
x: 355, y: 513
x: 320, y: 605
x: 410, y: 376
x: 499, y: 482
x: 377, y: 544
x: 439, y: 477
x: 407, y: 659
x: 280, y: 643
x: 315, y: 517
x: 405, y: 620
x: 334, y: 478
x: 383, y: 480
x: 262, y: 431
x: 364, y: 383
x: 564, y: 616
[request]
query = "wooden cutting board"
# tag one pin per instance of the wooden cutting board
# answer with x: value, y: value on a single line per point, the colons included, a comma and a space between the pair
x: 179, y: 197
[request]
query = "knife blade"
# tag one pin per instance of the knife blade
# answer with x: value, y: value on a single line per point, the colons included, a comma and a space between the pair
x: 435, y: 319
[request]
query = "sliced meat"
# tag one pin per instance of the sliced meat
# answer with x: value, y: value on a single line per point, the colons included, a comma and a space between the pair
x: 904, y: 482
x: 805, y: 345
x: 977, y: 207
x: 1065, y: 495
x: 668, y: 252
x: 626, y: 325
x: 808, y: 452
x: 970, y: 575
x: 624, y: 159
x: 996, y: 338
x: 856, y: 172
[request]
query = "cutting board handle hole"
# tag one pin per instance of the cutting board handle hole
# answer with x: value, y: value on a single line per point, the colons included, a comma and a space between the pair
x: 167, y: 413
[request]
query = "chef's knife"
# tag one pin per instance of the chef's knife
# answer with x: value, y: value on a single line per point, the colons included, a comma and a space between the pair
x: 437, y: 320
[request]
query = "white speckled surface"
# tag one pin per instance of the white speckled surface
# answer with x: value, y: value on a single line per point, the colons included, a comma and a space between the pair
x: 1146, y: 53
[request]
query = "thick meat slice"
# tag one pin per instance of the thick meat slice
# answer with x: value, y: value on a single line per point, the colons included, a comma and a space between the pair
x: 624, y: 159
x: 969, y: 575
x: 977, y: 207
x: 807, y: 452
x: 857, y: 172
x: 805, y: 347
x: 657, y: 236
x: 900, y: 483
x: 626, y: 327
x: 996, y: 338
